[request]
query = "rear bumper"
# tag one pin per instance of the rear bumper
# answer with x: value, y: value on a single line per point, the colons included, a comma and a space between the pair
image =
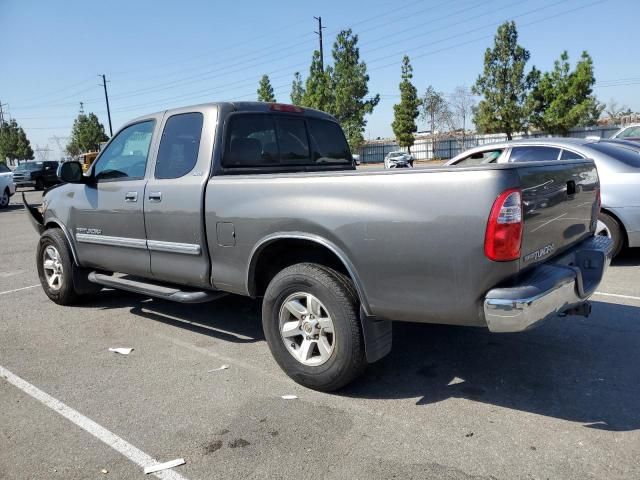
x: 560, y: 286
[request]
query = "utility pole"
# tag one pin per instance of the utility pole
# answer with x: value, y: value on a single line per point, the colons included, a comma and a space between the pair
x: 106, y: 98
x: 319, y: 33
x: 2, y: 112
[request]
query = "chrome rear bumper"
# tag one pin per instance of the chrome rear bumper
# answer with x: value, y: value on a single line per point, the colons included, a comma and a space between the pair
x: 560, y: 286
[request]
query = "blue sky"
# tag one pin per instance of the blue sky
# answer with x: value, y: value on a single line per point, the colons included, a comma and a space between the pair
x: 164, y: 54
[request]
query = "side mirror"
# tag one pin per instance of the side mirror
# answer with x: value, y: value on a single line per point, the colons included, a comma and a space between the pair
x: 70, y: 172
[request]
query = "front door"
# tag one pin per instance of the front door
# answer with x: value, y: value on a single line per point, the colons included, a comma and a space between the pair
x: 174, y: 199
x: 108, y: 215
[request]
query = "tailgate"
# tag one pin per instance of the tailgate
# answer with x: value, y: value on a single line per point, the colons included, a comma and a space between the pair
x: 559, y: 202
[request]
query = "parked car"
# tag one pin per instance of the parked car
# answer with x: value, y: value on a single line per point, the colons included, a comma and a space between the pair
x: 618, y: 163
x: 7, y: 187
x: 263, y: 200
x: 630, y: 132
x: 36, y: 174
x: 398, y: 160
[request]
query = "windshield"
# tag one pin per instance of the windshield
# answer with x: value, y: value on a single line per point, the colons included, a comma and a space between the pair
x: 396, y: 154
x: 628, y: 156
x: 29, y: 166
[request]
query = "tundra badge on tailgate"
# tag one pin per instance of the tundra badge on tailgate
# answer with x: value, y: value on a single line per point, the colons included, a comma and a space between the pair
x: 541, y: 252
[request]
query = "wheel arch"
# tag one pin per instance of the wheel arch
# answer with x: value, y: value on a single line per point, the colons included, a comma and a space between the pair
x: 617, y: 218
x: 265, y: 261
x: 55, y: 223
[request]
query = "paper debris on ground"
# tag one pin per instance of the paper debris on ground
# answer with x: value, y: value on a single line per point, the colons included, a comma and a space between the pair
x: 121, y: 351
x: 289, y: 397
x: 223, y: 367
x: 165, y: 465
x: 104, y: 471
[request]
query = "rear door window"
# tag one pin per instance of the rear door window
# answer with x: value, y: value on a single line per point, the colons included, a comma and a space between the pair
x: 178, y: 152
x: 569, y: 155
x: 534, y: 154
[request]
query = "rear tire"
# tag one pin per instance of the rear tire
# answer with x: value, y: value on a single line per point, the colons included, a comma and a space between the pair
x: 324, y: 298
x: 613, y: 230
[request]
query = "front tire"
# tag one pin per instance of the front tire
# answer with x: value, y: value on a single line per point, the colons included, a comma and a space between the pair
x: 62, y: 281
x: 310, y: 316
x: 40, y: 184
x: 4, y: 198
x: 609, y: 227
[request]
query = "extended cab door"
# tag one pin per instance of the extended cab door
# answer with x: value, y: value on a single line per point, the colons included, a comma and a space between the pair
x: 174, y: 199
x: 107, y: 217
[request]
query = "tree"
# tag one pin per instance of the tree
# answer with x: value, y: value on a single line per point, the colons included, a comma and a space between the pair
x: 503, y: 85
x: 317, y: 93
x: 406, y: 112
x: 297, y: 89
x: 349, y: 80
x: 563, y: 99
x: 14, y: 144
x: 86, y: 135
x: 434, y: 109
x: 462, y: 103
x: 614, y: 112
x: 265, y: 90
x: 436, y: 112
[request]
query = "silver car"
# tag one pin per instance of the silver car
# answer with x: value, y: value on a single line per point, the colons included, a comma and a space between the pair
x: 630, y: 132
x: 398, y: 160
x: 618, y: 165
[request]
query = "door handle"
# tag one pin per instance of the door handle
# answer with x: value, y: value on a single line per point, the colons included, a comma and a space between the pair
x: 155, y: 196
x: 131, y: 197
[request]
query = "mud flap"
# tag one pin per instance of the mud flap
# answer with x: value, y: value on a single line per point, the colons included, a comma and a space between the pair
x: 378, y: 336
x: 37, y: 221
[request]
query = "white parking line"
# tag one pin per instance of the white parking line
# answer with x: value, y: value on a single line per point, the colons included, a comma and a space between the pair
x: 616, y: 295
x: 19, y: 289
x: 118, y: 444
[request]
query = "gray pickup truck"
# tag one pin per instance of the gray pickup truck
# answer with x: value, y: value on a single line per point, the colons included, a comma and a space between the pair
x: 263, y: 200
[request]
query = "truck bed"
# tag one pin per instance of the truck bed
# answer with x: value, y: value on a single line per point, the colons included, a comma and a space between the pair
x: 377, y: 220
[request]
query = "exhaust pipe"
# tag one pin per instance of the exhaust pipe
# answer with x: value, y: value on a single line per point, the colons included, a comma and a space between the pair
x: 582, y: 310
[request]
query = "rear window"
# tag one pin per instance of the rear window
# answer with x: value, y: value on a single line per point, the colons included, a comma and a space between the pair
x: 534, y: 154
x: 629, y: 132
x: 29, y: 166
x: 628, y: 156
x: 263, y: 140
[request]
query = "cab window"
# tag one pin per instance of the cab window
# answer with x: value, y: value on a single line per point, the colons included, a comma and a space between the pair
x: 125, y: 158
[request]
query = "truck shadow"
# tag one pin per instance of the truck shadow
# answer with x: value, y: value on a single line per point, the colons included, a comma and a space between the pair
x: 581, y: 370
x: 231, y: 318
x: 629, y: 257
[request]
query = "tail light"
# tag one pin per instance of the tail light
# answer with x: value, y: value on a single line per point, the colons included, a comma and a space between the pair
x: 504, y: 229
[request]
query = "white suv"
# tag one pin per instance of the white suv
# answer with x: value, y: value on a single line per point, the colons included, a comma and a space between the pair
x: 7, y: 187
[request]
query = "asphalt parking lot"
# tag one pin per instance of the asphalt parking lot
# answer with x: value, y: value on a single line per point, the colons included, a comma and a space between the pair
x: 558, y: 402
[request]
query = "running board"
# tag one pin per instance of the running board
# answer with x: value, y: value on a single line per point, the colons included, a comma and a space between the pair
x: 146, y: 287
